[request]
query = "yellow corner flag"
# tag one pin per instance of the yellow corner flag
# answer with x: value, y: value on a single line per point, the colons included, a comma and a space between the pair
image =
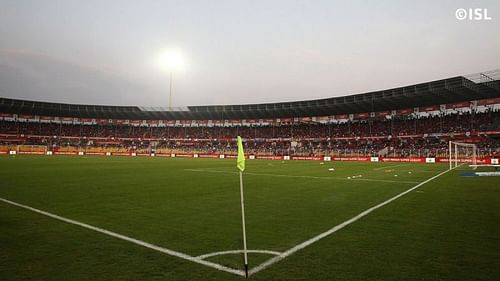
x: 240, y: 163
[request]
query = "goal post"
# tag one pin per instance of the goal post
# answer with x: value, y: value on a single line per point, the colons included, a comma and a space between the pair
x: 462, y: 152
x: 31, y: 149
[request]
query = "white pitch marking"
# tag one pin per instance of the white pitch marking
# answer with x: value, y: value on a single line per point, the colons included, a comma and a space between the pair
x: 390, y: 166
x: 297, y: 176
x: 484, y: 165
x: 199, y: 260
x: 237, y: 252
x: 129, y: 239
x: 336, y: 228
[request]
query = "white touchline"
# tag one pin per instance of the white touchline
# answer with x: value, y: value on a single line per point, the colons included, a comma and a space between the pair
x: 336, y: 228
x: 237, y: 252
x: 129, y: 239
x: 298, y: 176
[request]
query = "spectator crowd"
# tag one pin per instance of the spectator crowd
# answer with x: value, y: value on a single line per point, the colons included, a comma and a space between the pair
x: 399, y: 136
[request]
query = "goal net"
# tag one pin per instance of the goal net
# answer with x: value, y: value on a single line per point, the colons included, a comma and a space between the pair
x: 32, y: 149
x: 464, y: 153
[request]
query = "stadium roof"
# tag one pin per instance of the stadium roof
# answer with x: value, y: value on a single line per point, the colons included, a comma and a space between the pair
x: 450, y: 90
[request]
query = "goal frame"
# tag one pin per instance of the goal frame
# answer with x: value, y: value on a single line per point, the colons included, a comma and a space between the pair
x: 32, y: 148
x: 453, y: 153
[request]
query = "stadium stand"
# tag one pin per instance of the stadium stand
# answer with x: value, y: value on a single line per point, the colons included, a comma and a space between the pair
x: 411, y: 121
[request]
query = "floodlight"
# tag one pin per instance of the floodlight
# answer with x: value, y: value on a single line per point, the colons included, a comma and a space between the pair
x: 171, y: 60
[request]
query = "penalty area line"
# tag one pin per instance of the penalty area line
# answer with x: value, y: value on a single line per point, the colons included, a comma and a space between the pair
x: 130, y: 239
x: 304, y: 177
x: 390, y: 166
x: 336, y: 228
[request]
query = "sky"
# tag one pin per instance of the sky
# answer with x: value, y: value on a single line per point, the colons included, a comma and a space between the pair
x: 235, y: 52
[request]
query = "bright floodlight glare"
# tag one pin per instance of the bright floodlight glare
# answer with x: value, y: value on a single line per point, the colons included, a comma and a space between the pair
x: 171, y: 60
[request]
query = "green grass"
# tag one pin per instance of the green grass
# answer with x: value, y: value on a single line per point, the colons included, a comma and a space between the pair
x: 448, y: 229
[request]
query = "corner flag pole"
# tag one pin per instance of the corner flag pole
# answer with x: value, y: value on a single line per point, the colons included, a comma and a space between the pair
x: 241, y: 166
x: 243, y: 223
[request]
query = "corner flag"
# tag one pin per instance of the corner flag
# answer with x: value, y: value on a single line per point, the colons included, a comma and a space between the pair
x: 240, y: 163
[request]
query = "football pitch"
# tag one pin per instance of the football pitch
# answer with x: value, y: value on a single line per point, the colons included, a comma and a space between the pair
x: 133, y: 218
